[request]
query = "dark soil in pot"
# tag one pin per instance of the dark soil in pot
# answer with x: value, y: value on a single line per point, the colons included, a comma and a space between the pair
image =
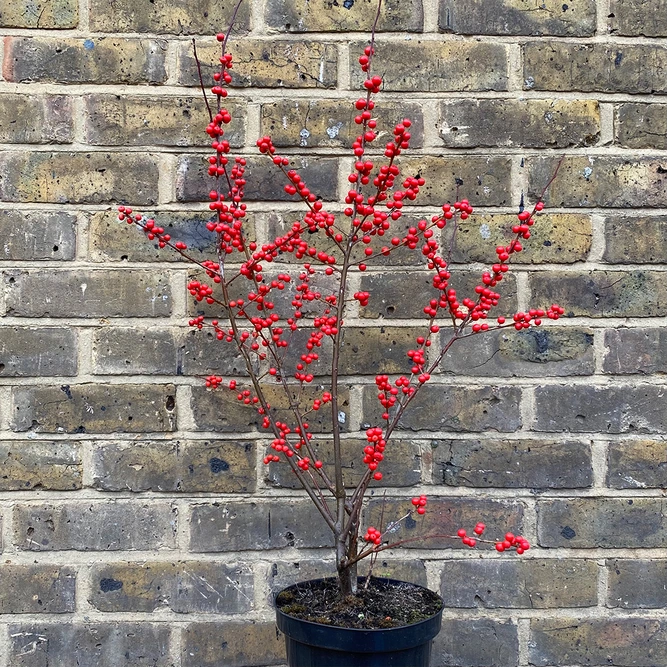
x: 384, y: 604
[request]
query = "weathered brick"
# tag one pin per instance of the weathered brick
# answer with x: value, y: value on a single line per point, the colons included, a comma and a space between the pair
x: 240, y: 526
x: 95, y: 526
x: 606, y: 181
x: 247, y: 644
x: 527, y: 123
x: 517, y: 17
x: 397, y: 289
x: 608, y: 523
x: 625, y: 642
x: 641, y: 125
x: 401, y: 465
x: 29, y: 119
x: 638, y: 18
x: 637, y: 464
x: 220, y: 411
x: 94, y: 408
x: 534, y: 464
x: 118, y: 644
x: 533, y: 352
x: 78, y: 178
x: 477, y: 642
x: 601, y: 67
x: 443, y: 518
x: 602, y: 293
x: 183, y: 587
x: 118, y: 351
x: 324, y: 16
x: 36, y: 589
x: 133, y: 120
x: 104, y: 60
x: 269, y: 63
x: 609, y: 409
x: 330, y: 123
x: 556, y: 238
x: 40, y: 464
x: 264, y: 180
x: 435, y: 66
x: 631, y: 351
x: 44, y: 15
x: 38, y: 352
x: 485, y: 181
x: 637, y: 584
x: 85, y: 293
x: 111, y: 240
x: 193, y: 466
x: 636, y: 240
x: 534, y: 584
x: 439, y: 407
x: 195, y: 17
x: 286, y: 573
x: 30, y: 235
x: 372, y: 350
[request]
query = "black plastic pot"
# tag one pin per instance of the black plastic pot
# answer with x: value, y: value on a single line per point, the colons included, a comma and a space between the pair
x: 316, y: 645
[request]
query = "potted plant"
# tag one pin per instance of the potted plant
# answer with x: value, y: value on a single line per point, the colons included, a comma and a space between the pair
x: 282, y: 307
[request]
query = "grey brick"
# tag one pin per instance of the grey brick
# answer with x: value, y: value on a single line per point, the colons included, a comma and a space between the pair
x: 637, y: 464
x: 182, y: 587
x: 229, y: 644
x: 519, y: 583
x: 264, y: 180
x: 167, y: 466
x: 533, y: 352
x: 622, y: 642
x: 517, y: 17
x: 608, y: 409
x: 439, y: 407
x: 94, y: 408
x: 119, y: 644
x: 477, y: 642
x: 30, y: 235
x: 38, y: 352
x: 87, y: 293
x: 534, y: 464
x: 95, y: 526
x: 40, y: 464
x: 243, y: 526
x: 608, y: 523
x: 637, y: 584
x: 36, y: 589
x: 630, y: 351
x: 104, y: 60
x: 29, y: 119
x: 78, y: 178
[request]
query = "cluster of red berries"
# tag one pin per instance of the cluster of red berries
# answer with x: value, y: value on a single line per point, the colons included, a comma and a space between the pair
x: 420, y: 503
x: 373, y: 535
x: 374, y: 451
x: 471, y: 541
x: 511, y: 541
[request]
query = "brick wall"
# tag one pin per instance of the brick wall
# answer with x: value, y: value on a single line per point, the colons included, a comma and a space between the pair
x: 139, y: 526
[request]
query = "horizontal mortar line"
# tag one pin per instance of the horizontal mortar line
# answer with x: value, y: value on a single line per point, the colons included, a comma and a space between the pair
x: 272, y: 95
x: 264, y: 438
x: 269, y: 495
x: 441, y: 379
x: 275, y: 35
x: 80, y: 559
x: 324, y: 152
x: 268, y: 207
x: 349, y: 95
x: 183, y: 266
x: 164, y: 615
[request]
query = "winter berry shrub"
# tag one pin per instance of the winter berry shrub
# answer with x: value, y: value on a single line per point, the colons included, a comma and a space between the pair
x: 279, y: 338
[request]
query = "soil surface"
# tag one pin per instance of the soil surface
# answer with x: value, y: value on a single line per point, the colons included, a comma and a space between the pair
x: 384, y: 604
